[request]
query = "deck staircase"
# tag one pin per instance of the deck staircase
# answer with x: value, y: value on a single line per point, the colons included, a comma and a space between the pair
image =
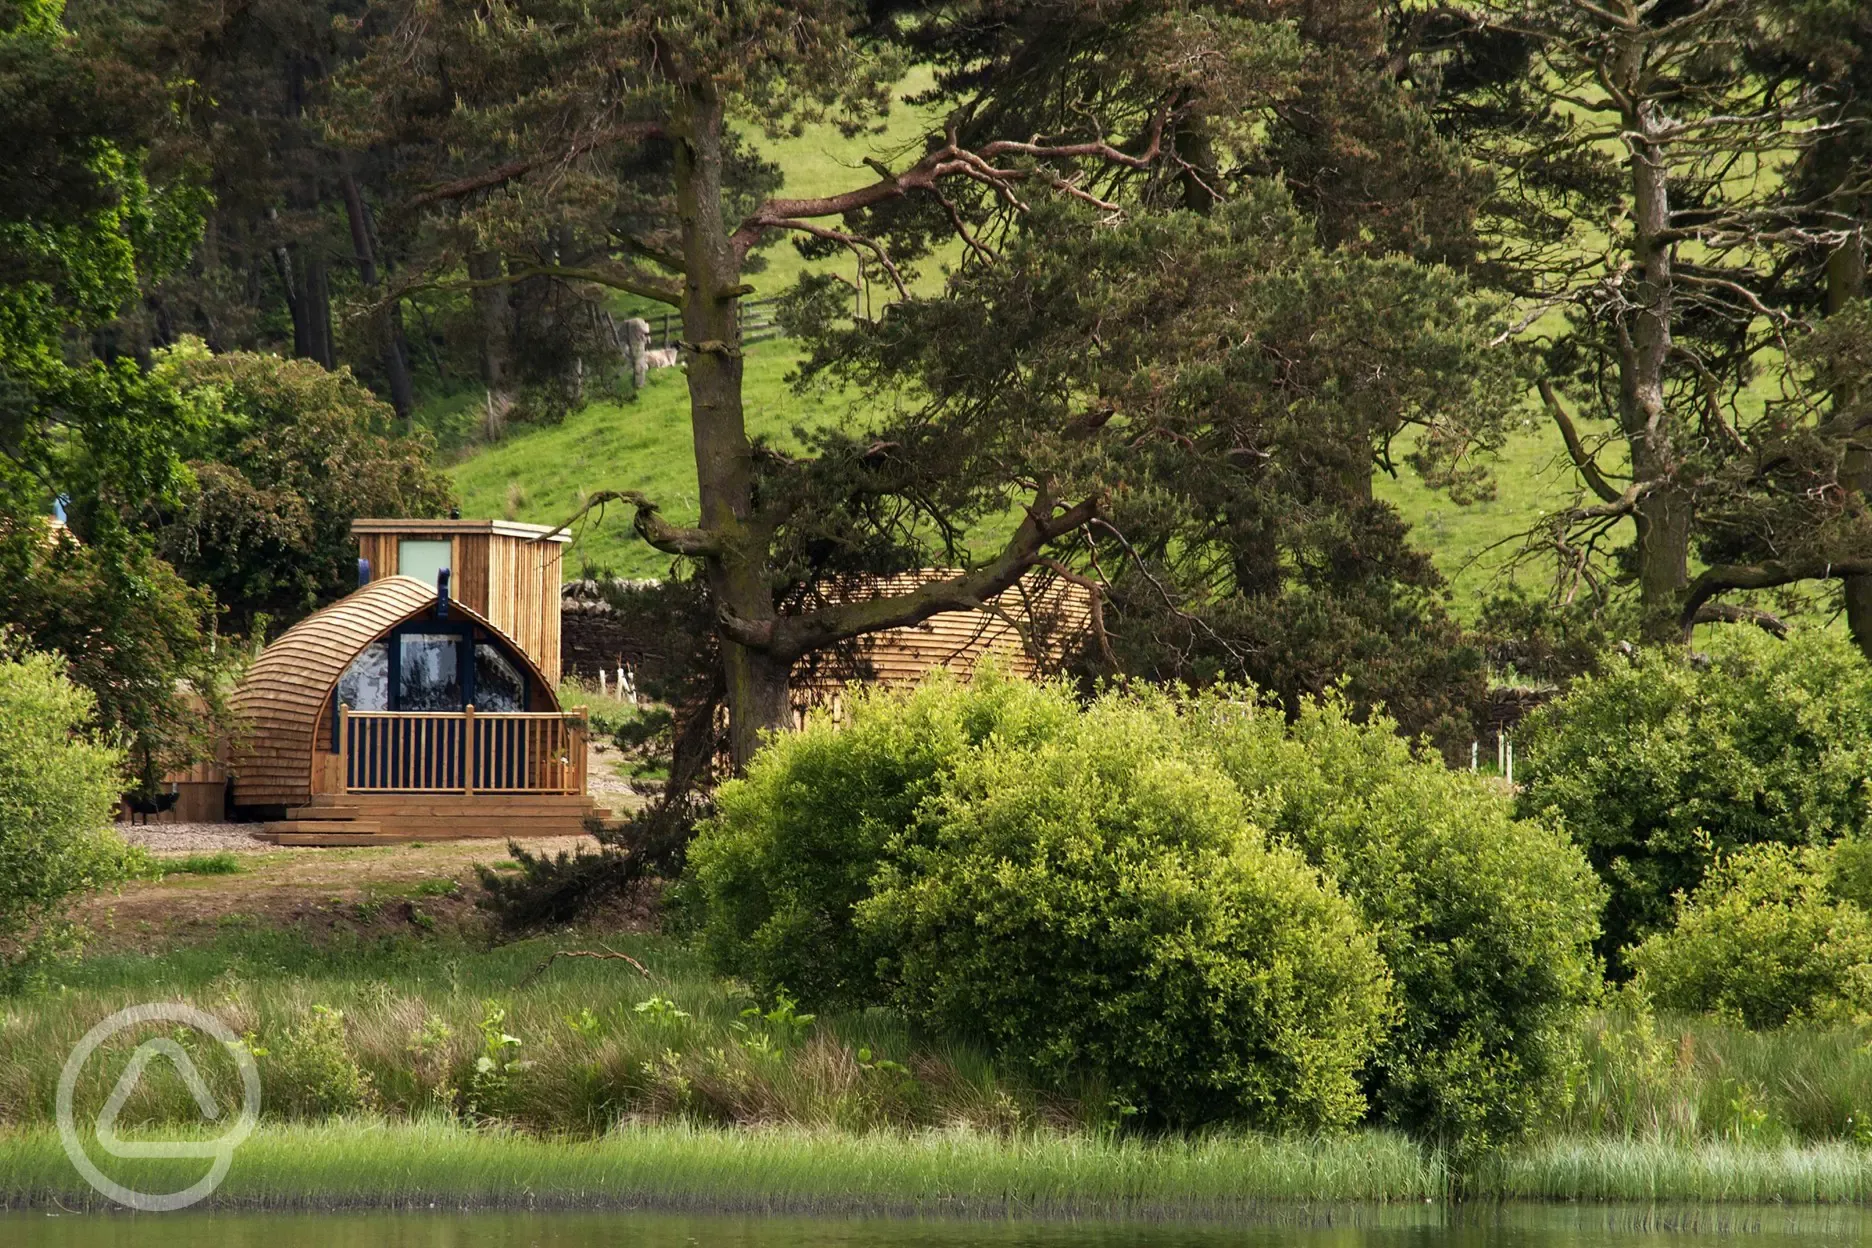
x: 382, y: 818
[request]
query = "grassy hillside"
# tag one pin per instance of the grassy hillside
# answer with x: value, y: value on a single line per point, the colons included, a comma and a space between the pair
x: 542, y: 475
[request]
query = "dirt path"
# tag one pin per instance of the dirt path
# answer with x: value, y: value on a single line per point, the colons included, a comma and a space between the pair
x: 429, y: 885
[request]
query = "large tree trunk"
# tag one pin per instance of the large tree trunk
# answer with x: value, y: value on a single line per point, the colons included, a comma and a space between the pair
x: 390, y: 320
x: 493, y: 300
x: 315, y: 294
x: 737, y: 570
x: 1846, y: 281
x: 1664, y: 513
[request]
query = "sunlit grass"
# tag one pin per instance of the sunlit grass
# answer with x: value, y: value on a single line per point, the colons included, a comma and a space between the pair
x: 369, y: 1162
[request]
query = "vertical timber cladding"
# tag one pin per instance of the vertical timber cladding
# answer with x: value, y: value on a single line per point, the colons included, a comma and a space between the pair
x: 499, y: 568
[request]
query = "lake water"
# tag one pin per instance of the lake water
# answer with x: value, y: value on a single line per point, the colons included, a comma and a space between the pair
x: 1470, y: 1227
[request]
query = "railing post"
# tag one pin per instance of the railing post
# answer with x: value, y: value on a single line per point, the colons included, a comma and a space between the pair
x: 344, y: 748
x: 468, y: 750
x: 584, y: 747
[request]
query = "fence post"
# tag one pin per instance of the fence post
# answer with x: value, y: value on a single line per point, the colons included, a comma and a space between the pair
x: 468, y: 750
x: 584, y: 747
x: 344, y: 747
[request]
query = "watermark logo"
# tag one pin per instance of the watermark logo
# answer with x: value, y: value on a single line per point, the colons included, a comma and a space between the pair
x: 220, y: 1149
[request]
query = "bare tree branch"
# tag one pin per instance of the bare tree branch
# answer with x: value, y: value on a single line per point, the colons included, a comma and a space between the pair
x: 1724, y: 577
x: 669, y: 538
x: 1588, y: 467
x: 953, y: 160
x: 498, y: 174
x: 1730, y: 613
x: 793, y: 636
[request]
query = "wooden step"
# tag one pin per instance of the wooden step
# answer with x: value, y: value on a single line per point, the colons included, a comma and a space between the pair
x: 323, y: 812
x: 493, y: 826
x: 371, y: 806
x: 329, y: 840
x: 326, y: 827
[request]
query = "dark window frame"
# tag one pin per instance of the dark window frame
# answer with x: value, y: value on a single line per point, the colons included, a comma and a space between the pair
x: 469, y: 634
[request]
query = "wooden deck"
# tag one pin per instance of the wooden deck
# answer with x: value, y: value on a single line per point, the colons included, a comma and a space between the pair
x: 387, y: 818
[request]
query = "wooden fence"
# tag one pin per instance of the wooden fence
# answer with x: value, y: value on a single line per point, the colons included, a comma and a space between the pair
x: 758, y: 324
x: 462, y: 751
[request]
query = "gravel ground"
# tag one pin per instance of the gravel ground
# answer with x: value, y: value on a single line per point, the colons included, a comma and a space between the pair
x: 194, y: 838
x: 604, y: 783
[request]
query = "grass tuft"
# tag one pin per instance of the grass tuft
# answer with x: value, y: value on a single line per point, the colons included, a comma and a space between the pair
x: 222, y: 863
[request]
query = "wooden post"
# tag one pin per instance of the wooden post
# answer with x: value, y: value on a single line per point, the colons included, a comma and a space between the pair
x: 468, y: 750
x: 344, y: 748
x: 581, y: 759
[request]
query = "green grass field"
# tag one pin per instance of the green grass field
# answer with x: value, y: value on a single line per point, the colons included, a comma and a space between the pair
x: 542, y: 475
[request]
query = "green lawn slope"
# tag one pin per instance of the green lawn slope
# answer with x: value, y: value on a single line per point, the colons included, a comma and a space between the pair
x: 543, y: 475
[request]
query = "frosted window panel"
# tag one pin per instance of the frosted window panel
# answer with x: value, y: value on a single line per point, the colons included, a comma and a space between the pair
x: 422, y: 559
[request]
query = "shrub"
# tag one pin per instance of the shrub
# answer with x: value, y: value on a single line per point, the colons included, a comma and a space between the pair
x: 1663, y: 763
x: 311, y: 1071
x: 1485, y: 921
x: 1764, y: 940
x: 59, y: 787
x: 794, y: 846
x: 1096, y: 906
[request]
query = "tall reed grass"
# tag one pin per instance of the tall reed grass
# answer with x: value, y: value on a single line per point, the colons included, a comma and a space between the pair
x: 371, y: 1162
x: 1685, y: 1081
x: 417, y: 1070
x: 362, y: 1162
x: 408, y: 1029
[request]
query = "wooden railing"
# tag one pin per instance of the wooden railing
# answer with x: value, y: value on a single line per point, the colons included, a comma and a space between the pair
x: 462, y: 751
x: 758, y: 323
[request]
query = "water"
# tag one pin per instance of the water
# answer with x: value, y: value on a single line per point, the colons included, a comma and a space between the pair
x: 1514, y: 1227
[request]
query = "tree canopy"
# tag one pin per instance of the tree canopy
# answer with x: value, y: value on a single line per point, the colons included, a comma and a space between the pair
x: 1150, y: 305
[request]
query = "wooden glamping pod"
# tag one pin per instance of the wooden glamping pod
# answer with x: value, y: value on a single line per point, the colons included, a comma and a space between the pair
x: 401, y: 712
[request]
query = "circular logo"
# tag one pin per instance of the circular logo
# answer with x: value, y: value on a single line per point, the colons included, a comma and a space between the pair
x: 221, y: 1149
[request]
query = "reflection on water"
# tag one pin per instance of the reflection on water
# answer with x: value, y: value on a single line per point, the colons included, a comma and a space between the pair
x: 1326, y: 1227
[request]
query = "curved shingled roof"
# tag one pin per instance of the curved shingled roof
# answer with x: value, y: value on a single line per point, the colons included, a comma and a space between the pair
x: 280, y: 699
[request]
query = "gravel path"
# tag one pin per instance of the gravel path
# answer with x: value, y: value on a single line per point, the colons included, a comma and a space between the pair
x: 194, y: 838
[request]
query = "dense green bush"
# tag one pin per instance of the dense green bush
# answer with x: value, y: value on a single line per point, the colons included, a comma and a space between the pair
x: 1089, y: 892
x: 1766, y: 939
x: 1485, y: 921
x: 1097, y: 906
x: 1664, y: 762
x: 58, y: 792
x: 794, y: 846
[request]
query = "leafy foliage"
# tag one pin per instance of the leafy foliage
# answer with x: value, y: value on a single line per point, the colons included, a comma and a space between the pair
x: 794, y: 846
x: 1002, y: 865
x: 1764, y: 940
x: 287, y: 456
x: 1663, y: 763
x: 59, y: 786
x: 1098, y: 906
x: 311, y: 1069
x: 1486, y: 921
x: 134, y: 634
